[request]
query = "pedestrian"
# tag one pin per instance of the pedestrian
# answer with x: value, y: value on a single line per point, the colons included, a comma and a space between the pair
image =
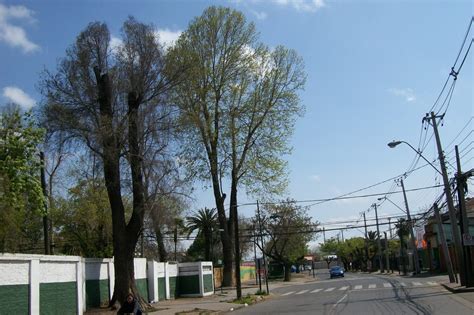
x: 130, y: 306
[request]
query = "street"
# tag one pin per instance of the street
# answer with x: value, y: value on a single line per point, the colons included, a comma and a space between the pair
x: 365, y: 294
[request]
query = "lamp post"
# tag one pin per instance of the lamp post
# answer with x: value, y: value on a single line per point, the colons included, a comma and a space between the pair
x: 449, y: 199
x: 394, y: 143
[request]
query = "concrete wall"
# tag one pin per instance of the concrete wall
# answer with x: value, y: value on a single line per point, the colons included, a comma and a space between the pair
x: 38, y: 284
x: 99, y: 277
x: 141, y: 279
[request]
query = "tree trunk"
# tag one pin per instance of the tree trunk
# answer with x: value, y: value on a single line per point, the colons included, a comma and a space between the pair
x: 234, y: 219
x: 223, y: 224
x: 135, y: 225
x: 287, y: 272
x: 124, y: 239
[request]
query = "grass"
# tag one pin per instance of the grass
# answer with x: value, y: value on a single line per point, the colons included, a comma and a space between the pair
x: 262, y: 292
x: 250, y: 299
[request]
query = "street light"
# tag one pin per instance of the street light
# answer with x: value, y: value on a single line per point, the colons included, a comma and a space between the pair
x: 394, y: 143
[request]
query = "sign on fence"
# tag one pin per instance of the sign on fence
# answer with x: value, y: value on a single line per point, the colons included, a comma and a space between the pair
x: 468, y: 240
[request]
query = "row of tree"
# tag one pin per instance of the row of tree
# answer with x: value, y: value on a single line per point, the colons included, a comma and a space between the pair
x: 359, y: 253
x: 130, y: 128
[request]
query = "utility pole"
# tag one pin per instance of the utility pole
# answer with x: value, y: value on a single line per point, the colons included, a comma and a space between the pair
x: 449, y: 199
x: 366, y: 242
x: 342, y: 234
x: 390, y: 228
x: 175, y: 239
x: 324, y: 235
x: 442, y: 240
x: 263, y: 247
x: 142, y: 244
x: 412, y: 235
x: 237, y: 255
x: 255, y: 257
x: 47, y: 246
x: 464, y: 221
x: 379, y: 250
x: 387, y: 262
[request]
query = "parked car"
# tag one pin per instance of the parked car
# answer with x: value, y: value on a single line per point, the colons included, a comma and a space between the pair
x: 336, y: 271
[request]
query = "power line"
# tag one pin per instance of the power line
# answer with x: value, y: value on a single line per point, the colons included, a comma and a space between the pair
x: 318, y: 201
x: 463, y: 42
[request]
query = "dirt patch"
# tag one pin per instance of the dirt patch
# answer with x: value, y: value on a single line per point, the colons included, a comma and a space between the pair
x: 198, y: 311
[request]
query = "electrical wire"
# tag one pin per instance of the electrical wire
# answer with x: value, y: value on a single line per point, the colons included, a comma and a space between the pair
x: 463, y: 42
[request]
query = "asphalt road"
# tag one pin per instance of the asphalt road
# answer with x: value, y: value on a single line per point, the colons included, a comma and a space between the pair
x: 365, y: 294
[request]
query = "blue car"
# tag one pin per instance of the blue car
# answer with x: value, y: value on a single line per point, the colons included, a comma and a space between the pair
x: 336, y: 271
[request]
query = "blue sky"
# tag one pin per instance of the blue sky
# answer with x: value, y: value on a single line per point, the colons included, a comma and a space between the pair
x: 374, y: 70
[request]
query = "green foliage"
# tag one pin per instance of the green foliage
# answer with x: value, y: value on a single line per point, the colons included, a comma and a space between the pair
x: 289, y: 229
x: 19, y: 161
x: 206, y: 224
x: 21, y: 196
x: 84, y: 221
x: 196, y: 251
x: 353, y: 250
x: 239, y: 100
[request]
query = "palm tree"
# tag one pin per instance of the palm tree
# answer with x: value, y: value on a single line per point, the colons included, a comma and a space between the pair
x: 403, y: 230
x: 372, y: 237
x: 205, y: 222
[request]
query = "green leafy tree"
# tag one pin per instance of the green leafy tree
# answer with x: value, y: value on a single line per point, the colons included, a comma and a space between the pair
x: 352, y: 250
x: 238, y: 104
x: 84, y: 222
x: 21, y: 196
x: 288, y: 229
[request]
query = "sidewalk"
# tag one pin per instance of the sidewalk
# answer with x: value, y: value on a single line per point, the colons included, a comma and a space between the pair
x: 221, y: 301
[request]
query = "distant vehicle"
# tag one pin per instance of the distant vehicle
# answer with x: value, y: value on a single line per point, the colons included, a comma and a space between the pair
x: 336, y: 271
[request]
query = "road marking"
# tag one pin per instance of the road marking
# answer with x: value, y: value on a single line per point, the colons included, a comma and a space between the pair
x: 343, y: 288
x: 302, y: 291
x: 329, y: 290
x: 340, y: 300
x: 315, y: 291
x: 432, y: 283
x: 372, y: 286
x: 288, y: 293
x: 403, y: 284
x: 358, y: 287
x: 387, y: 285
x: 416, y: 283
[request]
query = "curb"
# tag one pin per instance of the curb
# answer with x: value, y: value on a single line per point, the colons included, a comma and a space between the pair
x: 458, y: 289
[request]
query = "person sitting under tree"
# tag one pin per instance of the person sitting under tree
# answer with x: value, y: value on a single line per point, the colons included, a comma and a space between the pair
x: 130, y: 306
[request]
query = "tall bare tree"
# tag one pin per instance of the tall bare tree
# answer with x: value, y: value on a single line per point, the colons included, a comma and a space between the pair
x: 239, y: 103
x: 96, y: 98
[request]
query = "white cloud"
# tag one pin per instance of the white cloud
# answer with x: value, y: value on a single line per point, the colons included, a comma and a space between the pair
x: 13, y: 35
x: 406, y: 93
x: 115, y: 43
x: 260, y: 15
x: 18, y: 96
x: 302, y: 5
x: 167, y: 37
x: 316, y: 178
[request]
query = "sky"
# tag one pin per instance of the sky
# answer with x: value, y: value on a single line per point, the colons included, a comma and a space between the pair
x: 374, y: 69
